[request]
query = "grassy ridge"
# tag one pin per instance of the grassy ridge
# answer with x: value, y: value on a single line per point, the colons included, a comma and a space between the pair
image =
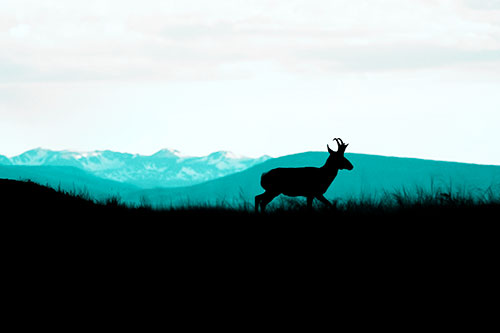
x: 23, y: 199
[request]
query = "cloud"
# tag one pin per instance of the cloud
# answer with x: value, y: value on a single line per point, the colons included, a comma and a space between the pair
x: 483, y: 4
x: 396, y: 57
x: 118, y: 40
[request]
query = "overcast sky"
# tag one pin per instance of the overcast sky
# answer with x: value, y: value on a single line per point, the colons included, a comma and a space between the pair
x: 417, y: 78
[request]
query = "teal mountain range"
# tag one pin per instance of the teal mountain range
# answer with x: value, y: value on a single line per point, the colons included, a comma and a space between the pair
x: 168, y: 178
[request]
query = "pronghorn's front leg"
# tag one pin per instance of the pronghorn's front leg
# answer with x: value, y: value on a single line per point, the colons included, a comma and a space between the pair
x: 263, y: 199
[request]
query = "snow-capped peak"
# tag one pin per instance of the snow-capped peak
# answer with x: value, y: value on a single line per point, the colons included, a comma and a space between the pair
x: 85, y: 154
x: 167, y: 153
x: 224, y: 154
x: 37, y: 156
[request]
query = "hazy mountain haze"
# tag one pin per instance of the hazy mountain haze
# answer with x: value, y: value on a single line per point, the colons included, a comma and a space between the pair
x: 165, y: 168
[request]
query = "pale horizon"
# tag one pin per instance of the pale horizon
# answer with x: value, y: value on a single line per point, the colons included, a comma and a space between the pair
x: 404, y: 78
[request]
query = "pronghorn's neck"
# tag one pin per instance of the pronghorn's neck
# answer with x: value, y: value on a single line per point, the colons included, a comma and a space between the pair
x: 329, y: 172
x: 330, y: 167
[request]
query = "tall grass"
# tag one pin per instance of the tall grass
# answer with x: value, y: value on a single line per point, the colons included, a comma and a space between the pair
x: 434, y: 201
x: 416, y: 200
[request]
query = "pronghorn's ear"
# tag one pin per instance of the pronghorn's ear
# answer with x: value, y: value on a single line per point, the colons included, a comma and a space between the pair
x: 329, y: 150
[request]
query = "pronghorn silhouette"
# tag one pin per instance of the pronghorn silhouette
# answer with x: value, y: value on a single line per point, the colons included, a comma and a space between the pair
x: 308, y: 182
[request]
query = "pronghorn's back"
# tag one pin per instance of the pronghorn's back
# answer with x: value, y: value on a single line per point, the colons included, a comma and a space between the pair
x: 297, y: 181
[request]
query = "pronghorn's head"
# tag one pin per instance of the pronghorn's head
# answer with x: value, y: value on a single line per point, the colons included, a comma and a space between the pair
x: 336, y: 160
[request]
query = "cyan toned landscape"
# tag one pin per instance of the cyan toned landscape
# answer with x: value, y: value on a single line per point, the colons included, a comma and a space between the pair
x: 224, y: 182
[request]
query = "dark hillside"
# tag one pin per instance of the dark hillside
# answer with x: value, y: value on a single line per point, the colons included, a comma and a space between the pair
x: 21, y: 200
x: 358, y: 233
x: 28, y: 201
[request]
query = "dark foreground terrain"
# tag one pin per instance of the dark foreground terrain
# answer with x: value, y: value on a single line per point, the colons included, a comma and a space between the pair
x: 399, y: 226
x: 410, y: 251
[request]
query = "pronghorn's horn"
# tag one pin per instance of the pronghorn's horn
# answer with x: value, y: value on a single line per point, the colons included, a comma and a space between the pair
x: 341, y: 145
x: 338, y: 143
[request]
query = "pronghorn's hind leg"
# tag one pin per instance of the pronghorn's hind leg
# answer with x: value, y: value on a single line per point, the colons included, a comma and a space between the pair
x: 310, y: 202
x: 263, y: 199
x: 258, y: 199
